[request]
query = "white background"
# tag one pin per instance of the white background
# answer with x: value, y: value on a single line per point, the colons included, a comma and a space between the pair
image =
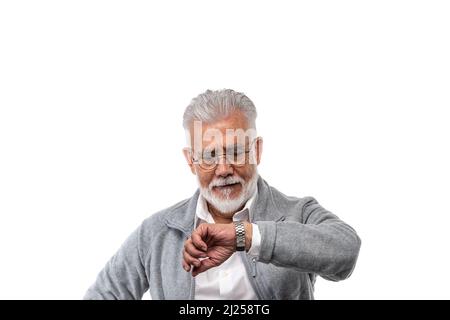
x: 353, y: 101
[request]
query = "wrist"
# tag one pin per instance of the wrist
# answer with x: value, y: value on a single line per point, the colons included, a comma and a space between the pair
x: 248, y: 235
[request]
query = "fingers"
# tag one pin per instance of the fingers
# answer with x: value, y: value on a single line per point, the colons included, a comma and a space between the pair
x: 195, y: 249
x: 205, y: 265
x: 186, y: 266
x: 196, y: 252
x: 191, y: 255
x: 192, y: 250
x: 197, y: 238
x: 190, y: 260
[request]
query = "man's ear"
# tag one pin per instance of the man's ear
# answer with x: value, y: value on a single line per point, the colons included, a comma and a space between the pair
x: 259, y: 148
x: 188, y: 156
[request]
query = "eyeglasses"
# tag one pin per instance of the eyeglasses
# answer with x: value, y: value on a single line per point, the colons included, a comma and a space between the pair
x: 237, y: 156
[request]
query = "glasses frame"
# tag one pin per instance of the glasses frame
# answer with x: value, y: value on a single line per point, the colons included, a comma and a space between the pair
x: 218, y: 157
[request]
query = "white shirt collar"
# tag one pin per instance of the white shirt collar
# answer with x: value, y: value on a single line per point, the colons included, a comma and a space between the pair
x: 246, y: 213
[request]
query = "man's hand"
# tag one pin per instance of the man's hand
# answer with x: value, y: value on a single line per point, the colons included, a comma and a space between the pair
x: 210, y: 245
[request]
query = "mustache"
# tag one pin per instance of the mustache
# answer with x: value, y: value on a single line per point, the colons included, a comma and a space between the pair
x: 226, y: 181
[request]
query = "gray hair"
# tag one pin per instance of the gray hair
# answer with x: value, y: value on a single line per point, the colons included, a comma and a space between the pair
x: 214, y: 105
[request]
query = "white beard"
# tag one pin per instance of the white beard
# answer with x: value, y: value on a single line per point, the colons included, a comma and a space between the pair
x: 224, y: 203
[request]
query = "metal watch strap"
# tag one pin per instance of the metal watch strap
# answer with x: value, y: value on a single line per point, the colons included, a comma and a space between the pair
x: 240, y: 235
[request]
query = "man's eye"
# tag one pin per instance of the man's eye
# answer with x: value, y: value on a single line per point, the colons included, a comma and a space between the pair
x: 208, y: 158
x: 209, y: 154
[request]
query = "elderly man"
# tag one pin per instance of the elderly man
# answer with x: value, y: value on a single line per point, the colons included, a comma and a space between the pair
x: 236, y: 237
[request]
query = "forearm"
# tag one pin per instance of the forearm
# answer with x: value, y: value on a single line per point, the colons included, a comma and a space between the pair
x: 329, y: 249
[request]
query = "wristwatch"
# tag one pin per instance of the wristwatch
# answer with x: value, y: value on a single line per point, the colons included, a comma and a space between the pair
x: 240, y: 235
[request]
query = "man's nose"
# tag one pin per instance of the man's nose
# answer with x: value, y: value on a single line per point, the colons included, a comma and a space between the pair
x: 223, y: 168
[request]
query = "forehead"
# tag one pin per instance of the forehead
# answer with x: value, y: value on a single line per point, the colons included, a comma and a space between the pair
x: 233, y: 129
x: 233, y: 121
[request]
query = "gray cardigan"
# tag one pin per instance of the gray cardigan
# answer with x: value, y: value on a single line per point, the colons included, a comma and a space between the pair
x: 299, y: 240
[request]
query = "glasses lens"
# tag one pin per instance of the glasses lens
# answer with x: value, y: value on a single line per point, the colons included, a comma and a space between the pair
x: 207, y: 160
x: 236, y: 155
x: 237, y: 158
